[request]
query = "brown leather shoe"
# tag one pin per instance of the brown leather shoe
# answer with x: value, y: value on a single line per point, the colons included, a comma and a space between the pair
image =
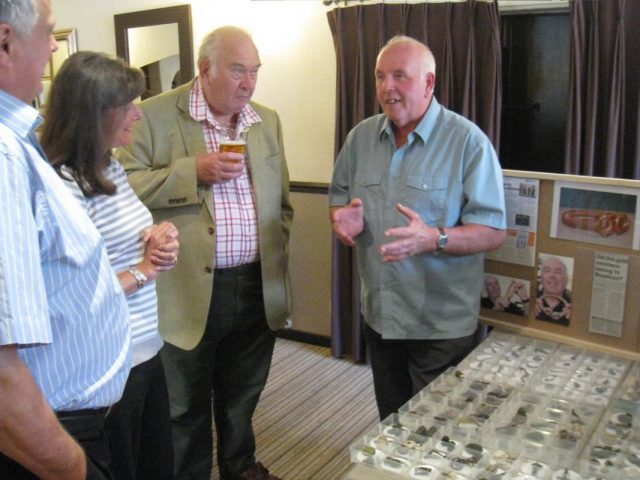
x: 258, y: 472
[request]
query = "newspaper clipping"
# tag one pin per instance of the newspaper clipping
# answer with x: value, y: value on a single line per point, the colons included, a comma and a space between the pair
x: 608, y: 293
x: 521, y: 199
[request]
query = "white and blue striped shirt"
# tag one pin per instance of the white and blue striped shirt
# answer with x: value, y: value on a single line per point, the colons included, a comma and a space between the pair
x: 121, y: 219
x: 60, y: 300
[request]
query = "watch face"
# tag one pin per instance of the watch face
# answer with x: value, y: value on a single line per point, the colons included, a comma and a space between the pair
x: 442, y: 239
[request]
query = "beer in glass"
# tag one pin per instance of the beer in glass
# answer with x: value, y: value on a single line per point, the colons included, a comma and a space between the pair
x: 232, y: 139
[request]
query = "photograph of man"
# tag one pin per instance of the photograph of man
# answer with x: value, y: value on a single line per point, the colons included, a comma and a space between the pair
x: 553, y: 302
x: 515, y: 299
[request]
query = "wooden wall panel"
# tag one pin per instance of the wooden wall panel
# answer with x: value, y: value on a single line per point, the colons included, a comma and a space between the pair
x: 310, y: 262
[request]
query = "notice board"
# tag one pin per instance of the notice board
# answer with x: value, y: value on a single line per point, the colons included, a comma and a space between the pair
x: 570, y: 268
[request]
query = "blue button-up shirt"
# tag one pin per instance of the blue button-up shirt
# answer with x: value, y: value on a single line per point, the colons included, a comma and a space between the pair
x: 448, y: 173
x: 60, y: 301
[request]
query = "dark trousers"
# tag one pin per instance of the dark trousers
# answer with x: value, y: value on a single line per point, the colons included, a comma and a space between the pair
x: 401, y: 368
x: 87, y: 427
x: 231, y: 365
x: 139, y: 426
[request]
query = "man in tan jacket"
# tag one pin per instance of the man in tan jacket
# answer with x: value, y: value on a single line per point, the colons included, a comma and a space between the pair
x: 219, y: 307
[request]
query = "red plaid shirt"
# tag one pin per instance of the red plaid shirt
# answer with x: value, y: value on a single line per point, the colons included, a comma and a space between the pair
x: 233, y: 202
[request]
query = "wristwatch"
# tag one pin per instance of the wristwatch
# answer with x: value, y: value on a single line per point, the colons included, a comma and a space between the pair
x: 443, y: 239
x: 140, y: 277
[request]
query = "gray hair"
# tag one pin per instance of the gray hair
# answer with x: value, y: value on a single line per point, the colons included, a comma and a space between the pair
x: 214, y: 41
x: 556, y: 260
x: 428, y: 60
x: 22, y: 15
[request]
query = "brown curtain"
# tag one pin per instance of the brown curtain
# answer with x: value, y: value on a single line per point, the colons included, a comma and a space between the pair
x: 465, y: 40
x: 603, y: 132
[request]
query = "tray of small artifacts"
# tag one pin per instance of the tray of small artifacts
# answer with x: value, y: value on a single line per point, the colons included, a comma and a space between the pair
x: 476, y: 421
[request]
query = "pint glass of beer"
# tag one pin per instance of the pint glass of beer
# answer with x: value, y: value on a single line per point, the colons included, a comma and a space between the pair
x: 232, y: 139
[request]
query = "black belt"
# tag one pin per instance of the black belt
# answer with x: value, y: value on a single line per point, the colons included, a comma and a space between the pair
x: 84, y: 425
x: 86, y: 413
x: 247, y: 268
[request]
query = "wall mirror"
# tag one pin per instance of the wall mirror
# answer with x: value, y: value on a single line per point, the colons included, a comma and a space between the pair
x: 160, y: 42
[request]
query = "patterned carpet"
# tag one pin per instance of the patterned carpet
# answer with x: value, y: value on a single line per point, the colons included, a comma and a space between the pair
x: 314, y: 406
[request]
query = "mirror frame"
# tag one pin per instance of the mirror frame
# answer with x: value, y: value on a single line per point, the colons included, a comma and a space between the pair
x: 180, y: 14
x: 68, y: 37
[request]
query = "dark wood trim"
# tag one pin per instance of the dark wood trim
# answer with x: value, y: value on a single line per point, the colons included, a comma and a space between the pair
x: 180, y: 14
x: 309, y: 187
x: 304, y: 337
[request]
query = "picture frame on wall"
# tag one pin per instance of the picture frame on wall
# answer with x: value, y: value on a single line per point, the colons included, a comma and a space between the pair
x: 67, y: 41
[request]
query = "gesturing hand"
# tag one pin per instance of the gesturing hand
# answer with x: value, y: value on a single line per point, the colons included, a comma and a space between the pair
x: 415, y: 238
x: 348, y: 221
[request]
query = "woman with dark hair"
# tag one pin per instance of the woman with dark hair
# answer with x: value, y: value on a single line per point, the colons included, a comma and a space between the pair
x: 89, y: 112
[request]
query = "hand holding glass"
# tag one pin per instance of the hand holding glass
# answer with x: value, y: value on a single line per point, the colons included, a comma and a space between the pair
x: 232, y: 139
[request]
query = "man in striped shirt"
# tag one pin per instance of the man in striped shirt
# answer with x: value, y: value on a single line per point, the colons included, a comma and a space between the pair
x: 219, y: 306
x: 64, y: 330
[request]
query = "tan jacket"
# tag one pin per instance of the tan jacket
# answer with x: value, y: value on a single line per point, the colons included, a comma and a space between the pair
x: 161, y: 168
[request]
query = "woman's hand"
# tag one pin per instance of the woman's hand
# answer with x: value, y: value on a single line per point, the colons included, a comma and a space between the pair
x: 162, y: 249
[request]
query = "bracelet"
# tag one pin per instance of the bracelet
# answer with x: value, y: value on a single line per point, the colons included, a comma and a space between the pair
x: 140, y: 277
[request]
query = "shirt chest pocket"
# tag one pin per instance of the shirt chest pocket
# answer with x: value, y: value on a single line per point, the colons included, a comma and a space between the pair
x: 427, y: 196
x: 368, y: 185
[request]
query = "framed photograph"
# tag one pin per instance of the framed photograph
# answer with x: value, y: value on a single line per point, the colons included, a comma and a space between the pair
x: 597, y: 214
x: 67, y: 44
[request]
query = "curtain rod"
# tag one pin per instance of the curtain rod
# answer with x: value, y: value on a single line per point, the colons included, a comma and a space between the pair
x: 345, y: 3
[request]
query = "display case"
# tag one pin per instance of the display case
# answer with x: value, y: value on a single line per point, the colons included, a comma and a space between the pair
x: 516, y: 408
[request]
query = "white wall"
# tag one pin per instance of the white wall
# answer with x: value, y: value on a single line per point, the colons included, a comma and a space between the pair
x: 296, y: 50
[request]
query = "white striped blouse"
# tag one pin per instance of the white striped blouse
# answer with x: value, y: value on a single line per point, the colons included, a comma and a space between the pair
x: 60, y: 300
x: 121, y: 219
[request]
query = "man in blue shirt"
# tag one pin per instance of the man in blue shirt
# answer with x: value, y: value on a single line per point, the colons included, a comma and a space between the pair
x: 418, y: 190
x: 64, y: 329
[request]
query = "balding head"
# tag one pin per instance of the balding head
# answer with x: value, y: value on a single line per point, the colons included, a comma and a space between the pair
x: 217, y: 40
x: 421, y: 51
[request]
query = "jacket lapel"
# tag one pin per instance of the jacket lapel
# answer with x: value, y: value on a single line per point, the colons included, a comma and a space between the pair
x: 193, y: 141
x: 191, y: 130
